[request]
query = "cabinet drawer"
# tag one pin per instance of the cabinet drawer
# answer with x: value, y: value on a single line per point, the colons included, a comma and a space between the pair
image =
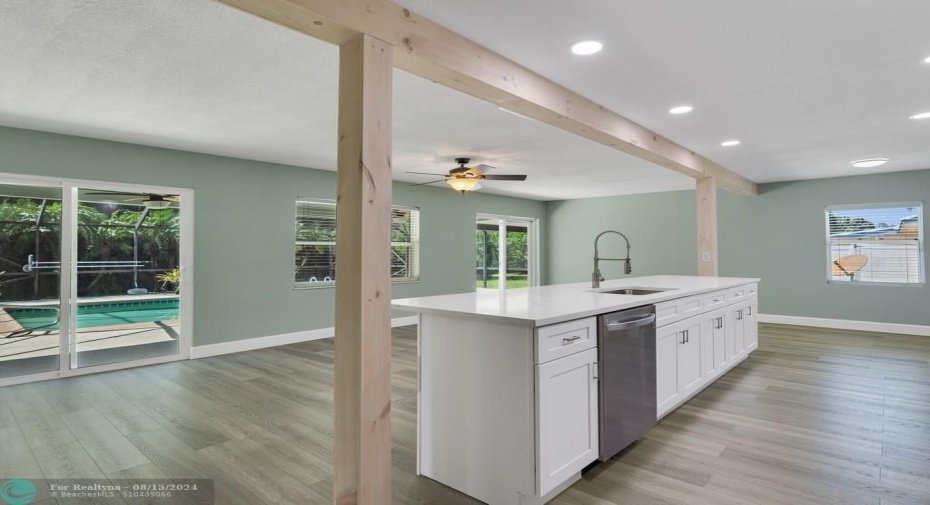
x: 751, y: 290
x: 559, y: 340
x: 715, y: 299
x: 736, y: 293
x: 676, y: 310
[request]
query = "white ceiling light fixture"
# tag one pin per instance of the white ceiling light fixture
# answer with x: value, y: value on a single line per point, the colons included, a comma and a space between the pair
x: 927, y: 59
x: 730, y: 143
x: 681, y: 109
x: 922, y: 115
x: 869, y: 163
x: 587, y: 47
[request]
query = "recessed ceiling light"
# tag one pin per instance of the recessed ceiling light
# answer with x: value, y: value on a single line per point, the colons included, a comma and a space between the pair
x: 586, y: 47
x: 730, y: 143
x: 922, y: 115
x: 927, y: 59
x: 869, y: 163
x: 683, y: 109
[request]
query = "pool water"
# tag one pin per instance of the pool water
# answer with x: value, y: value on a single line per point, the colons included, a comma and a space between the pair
x: 100, y: 314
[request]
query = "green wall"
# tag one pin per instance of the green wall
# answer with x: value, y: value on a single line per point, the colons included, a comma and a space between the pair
x: 779, y: 236
x: 661, y: 228
x: 244, y: 227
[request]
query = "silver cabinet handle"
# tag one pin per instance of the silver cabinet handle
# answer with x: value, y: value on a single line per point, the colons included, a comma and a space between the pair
x: 567, y: 340
x: 687, y: 337
x: 750, y: 310
x: 682, y: 338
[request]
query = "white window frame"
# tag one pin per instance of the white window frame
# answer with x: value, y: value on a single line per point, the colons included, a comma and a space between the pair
x: 864, y: 206
x: 414, y: 244
x: 532, y: 243
x: 69, y: 196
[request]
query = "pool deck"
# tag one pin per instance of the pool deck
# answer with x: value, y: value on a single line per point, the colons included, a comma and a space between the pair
x: 46, y: 343
x: 89, y: 339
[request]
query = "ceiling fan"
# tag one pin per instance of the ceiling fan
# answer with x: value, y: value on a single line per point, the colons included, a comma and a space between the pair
x: 463, y: 178
x: 150, y: 200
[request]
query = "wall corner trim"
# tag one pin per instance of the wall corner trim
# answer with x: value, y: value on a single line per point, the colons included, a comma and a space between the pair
x: 251, y: 344
x: 843, y: 324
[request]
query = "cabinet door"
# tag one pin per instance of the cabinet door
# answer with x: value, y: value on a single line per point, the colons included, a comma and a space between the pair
x: 567, y: 419
x: 729, y: 326
x: 751, y: 326
x: 668, y: 387
x: 708, y: 366
x: 689, y: 358
x: 722, y: 326
x: 739, y: 325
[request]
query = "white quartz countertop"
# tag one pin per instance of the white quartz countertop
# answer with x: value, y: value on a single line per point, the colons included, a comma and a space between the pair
x: 544, y: 305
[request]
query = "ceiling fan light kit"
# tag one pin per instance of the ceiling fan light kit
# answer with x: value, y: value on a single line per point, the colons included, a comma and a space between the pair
x: 462, y: 178
x: 462, y: 184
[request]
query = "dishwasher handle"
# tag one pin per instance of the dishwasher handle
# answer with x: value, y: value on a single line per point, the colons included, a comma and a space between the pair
x: 631, y: 324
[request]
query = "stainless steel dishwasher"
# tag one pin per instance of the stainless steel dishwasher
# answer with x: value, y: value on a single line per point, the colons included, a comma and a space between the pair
x: 626, y: 347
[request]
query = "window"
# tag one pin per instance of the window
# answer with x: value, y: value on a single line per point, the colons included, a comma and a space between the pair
x: 878, y: 243
x: 315, y: 249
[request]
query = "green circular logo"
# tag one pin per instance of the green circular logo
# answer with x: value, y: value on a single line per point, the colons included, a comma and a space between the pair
x: 18, y: 492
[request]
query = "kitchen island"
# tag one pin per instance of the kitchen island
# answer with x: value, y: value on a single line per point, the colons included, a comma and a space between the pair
x: 507, y: 383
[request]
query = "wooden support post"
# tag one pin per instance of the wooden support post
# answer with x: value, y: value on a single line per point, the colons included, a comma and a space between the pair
x: 707, y: 226
x: 362, y: 452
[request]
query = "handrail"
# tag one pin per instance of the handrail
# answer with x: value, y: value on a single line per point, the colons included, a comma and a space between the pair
x: 23, y: 331
x: 33, y: 265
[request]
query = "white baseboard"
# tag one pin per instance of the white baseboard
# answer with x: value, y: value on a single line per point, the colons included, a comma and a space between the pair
x: 251, y: 344
x: 843, y: 324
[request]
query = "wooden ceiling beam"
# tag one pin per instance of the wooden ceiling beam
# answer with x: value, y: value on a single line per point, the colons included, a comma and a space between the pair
x: 434, y: 52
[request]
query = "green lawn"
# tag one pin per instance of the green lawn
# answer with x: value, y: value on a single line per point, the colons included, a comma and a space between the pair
x: 513, y: 281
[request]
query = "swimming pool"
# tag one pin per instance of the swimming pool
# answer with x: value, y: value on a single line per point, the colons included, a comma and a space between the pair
x: 100, y: 314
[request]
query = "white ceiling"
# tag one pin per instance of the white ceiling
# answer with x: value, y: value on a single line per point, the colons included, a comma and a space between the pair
x: 807, y: 88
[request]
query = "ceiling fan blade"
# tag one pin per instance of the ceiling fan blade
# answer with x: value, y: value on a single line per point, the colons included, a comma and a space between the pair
x: 425, y: 183
x: 482, y: 168
x: 512, y: 177
x: 426, y: 173
x: 111, y: 193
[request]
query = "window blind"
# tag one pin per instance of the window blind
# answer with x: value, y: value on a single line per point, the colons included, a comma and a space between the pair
x: 879, y: 243
x: 315, y: 246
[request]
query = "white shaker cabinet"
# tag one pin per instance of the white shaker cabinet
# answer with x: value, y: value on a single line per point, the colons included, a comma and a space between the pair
x: 694, y: 351
x: 567, y: 434
x: 679, y: 371
x: 751, y: 326
x: 668, y: 385
x: 746, y: 328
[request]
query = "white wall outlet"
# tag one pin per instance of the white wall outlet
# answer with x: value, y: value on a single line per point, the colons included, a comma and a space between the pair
x: 705, y: 256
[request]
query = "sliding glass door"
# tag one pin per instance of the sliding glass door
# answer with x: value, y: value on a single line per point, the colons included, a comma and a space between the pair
x: 506, y: 252
x: 30, y: 279
x: 91, y: 277
x: 127, y: 278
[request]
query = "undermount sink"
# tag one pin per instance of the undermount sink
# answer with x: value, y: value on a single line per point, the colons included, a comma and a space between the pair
x: 634, y: 291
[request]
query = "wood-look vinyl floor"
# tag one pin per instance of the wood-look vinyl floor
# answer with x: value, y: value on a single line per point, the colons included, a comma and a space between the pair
x: 812, y: 417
